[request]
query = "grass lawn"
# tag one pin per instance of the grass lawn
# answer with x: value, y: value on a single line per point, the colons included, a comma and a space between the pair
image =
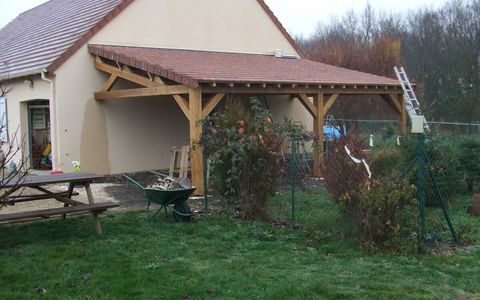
x: 220, y: 257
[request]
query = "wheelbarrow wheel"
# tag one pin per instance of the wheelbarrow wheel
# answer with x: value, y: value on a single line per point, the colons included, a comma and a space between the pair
x: 184, y: 212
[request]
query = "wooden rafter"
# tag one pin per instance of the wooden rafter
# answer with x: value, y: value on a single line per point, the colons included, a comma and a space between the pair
x: 166, y: 90
x: 330, y: 102
x: 308, y: 104
x: 211, y: 104
x: 392, y: 100
x: 154, y: 86
x: 109, y: 83
x: 122, y: 73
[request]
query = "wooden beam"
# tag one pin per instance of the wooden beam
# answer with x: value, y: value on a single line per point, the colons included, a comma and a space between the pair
x: 158, y: 79
x: 308, y: 104
x: 330, y: 102
x: 196, y: 156
x: 109, y: 83
x: 143, y: 92
x: 211, y: 104
x: 392, y: 100
x: 288, y: 90
x: 183, y: 103
x: 402, y: 116
x: 124, y: 73
x: 318, y: 101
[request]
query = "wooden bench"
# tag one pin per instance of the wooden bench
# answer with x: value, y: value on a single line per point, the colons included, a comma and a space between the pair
x: 25, y: 198
x: 70, y: 207
x: 95, y: 208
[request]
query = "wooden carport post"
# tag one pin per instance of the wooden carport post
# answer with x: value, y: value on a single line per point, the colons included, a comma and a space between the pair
x: 318, y: 102
x: 402, y: 116
x: 196, y: 153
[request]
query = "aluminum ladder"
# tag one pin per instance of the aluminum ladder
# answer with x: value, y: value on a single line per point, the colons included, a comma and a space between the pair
x: 413, y: 106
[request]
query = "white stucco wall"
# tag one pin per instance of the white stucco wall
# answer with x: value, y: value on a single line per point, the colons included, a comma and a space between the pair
x: 117, y: 135
x: 129, y: 135
x: 17, y: 108
x: 212, y: 25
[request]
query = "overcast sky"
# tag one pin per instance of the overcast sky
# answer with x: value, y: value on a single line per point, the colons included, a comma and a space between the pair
x: 298, y: 16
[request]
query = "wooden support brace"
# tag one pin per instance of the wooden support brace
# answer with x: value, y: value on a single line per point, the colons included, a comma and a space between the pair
x: 308, y: 104
x: 183, y: 103
x: 394, y: 102
x: 211, y: 104
x: 330, y: 102
x: 109, y: 83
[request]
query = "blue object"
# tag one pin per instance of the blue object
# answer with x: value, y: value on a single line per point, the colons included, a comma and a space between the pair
x: 331, y: 132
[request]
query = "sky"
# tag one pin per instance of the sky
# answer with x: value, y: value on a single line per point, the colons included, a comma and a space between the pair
x: 298, y: 16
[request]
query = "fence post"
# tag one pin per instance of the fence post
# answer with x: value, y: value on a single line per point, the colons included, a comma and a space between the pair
x: 293, y: 172
x: 205, y: 181
x: 421, y: 189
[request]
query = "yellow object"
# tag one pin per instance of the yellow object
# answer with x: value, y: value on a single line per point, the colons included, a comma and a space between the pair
x: 47, y: 150
x: 76, y: 166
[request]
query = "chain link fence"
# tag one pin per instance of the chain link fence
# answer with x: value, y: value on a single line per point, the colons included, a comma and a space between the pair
x: 443, y: 166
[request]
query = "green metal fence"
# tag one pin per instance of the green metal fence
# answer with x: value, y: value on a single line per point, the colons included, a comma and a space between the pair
x: 444, y: 167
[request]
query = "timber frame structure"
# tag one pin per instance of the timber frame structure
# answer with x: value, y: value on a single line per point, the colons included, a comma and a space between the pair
x: 197, y: 100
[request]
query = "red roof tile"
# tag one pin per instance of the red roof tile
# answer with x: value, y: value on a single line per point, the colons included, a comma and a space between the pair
x: 194, y: 67
x: 45, y: 36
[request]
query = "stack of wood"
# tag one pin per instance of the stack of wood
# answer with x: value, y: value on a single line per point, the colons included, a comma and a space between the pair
x: 170, y: 184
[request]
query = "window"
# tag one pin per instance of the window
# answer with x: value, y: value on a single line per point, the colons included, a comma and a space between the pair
x: 3, y: 120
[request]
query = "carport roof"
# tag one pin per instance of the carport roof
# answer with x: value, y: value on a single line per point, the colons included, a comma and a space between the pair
x: 193, y: 68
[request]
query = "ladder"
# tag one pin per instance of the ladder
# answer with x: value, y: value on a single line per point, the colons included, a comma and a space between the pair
x: 413, y: 106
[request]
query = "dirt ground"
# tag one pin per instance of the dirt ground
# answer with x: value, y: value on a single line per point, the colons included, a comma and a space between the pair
x: 113, y: 188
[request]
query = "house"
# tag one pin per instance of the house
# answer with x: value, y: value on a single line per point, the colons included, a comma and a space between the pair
x: 115, y: 84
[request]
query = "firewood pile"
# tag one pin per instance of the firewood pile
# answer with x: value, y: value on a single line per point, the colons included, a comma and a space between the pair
x: 170, y: 184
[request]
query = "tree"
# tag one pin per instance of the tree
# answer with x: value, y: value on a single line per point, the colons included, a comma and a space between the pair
x: 440, y: 49
x: 13, y: 162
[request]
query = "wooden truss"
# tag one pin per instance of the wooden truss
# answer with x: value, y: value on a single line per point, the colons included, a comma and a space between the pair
x: 317, y: 100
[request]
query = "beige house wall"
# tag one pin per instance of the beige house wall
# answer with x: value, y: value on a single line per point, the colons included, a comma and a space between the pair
x: 112, y: 136
x: 115, y: 136
x: 286, y: 106
x: 212, y: 25
x: 17, y: 107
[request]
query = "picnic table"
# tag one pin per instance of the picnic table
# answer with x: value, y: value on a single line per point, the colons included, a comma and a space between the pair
x: 70, y: 206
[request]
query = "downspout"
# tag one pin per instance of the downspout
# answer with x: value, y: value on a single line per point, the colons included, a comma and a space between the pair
x: 54, y: 130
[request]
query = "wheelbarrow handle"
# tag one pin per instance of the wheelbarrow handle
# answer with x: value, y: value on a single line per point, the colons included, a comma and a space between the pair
x: 134, y: 181
x: 158, y: 174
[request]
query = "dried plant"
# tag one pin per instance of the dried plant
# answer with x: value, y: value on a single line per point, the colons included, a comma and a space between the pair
x: 13, y: 162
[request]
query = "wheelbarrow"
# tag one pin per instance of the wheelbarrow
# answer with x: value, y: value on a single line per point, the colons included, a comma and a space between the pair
x: 178, y: 198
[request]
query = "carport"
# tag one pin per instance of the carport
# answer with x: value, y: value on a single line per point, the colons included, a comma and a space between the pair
x: 199, y: 80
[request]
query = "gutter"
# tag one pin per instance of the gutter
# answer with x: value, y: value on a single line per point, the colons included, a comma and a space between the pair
x: 20, y: 75
x: 54, y: 130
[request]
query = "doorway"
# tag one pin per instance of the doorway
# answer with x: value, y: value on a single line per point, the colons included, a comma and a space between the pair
x: 39, y: 135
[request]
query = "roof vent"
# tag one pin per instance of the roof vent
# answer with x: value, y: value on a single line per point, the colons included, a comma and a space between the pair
x: 279, y: 53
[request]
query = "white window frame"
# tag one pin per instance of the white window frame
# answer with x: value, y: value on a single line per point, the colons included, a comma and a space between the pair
x: 3, y: 120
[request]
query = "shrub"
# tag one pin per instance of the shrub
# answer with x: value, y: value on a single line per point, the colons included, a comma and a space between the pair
x: 388, y: 208
x: 244, y: 145
x: 469, y: 159
x: 383, y: 207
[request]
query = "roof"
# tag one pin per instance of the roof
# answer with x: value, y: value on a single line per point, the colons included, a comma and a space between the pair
x: 46, y: 36
x: 192, y: 68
